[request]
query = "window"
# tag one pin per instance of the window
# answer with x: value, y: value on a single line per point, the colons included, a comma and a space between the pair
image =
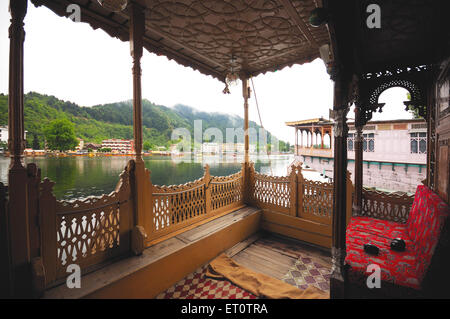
x: 350, y: 142
x: 369, y: 142
x: 418, y: 143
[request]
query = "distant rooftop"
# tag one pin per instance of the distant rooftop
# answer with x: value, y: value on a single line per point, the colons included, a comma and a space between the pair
x: 321, y: 121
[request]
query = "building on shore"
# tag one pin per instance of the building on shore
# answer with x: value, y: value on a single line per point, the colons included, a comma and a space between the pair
x: 32, y: 152
x: 4, y: 134
x: 92, y: 146
x: 394, y: 152
x: 211, y: 148
x: 119, y: 146
x: 80, y: 145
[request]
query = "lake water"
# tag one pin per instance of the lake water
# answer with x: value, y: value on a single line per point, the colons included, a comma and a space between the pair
x: 81, y: 176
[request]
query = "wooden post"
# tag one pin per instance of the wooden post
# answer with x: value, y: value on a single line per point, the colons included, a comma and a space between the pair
x: 207, y: 179
x: 321, y: 136
x: 5, y: 278
x: 34, y: 179
x: 143, y: 214
x: 17, y: 178
x: 350, y: 192
x: 296, y: 141
x: 246, y: 95
x: 47, y: 220
x: 293, y: 191
x: 338, y: 250
x: 358, y: 162
x: 300, y: 190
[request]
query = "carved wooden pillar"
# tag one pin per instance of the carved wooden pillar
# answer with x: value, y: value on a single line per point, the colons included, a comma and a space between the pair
x: 142, y: 210
x: 338, y: 250
x: 246, y: 95
x: 296, y: 141
x: 17, y: 177
x: 136, y: 47
x: 358, y: 162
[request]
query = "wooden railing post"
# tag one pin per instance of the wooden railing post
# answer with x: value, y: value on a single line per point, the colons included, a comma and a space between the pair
x: 47, y: 222
x: 207, y: 179
x: 300, y: 190
x: 349, y: 194
x: 125, y: 199
x: 245, y: 171
x: 34, y: 179
x: 293, y: 191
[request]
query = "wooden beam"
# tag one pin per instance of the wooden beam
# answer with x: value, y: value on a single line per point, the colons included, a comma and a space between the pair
x: 292, y: 12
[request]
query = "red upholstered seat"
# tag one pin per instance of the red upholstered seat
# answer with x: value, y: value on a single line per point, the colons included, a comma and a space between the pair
x: 421, y: 234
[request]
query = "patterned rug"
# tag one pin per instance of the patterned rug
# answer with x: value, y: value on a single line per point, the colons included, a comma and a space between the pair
x: 307, y: 271
x: 198, y: 286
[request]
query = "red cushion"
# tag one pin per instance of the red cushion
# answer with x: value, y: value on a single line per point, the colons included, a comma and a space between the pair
x: 424, y: 225
x: 398, y: 268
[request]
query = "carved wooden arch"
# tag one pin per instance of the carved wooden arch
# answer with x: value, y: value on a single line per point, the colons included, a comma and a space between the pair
x: 368, y: 103
x: 412, y: 88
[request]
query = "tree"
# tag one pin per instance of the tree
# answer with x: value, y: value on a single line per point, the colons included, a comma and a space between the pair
x: 147, y: 146
x: 60, y: 135
x: 36, y: 144
x: 411, y: 109
x: 3, y: 146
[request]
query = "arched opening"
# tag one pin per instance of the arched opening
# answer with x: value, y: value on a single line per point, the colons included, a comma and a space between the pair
x: 393, y: 143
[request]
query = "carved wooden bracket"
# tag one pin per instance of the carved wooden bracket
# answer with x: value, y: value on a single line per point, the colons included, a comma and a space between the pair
x: 340, y: 128
x: 38, y: 277
x: 366, y: 112
x: 138, y: 237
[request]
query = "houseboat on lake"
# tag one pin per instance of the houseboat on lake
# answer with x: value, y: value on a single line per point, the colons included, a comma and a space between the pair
x: 394, y: 152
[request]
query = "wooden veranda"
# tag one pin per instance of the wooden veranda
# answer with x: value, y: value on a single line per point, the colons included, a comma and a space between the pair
x: 41, y: 235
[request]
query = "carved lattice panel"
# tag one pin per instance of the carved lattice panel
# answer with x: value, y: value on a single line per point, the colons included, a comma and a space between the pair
x: 82, y: 235
x: 317, y: 201
x: 226, y: 190
x: 173, y: 205
x: 272, y: 192
x: 85, y: 232
x: 389, y: 206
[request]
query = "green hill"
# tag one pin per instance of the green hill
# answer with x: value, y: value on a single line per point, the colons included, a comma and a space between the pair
x: 115, y: 120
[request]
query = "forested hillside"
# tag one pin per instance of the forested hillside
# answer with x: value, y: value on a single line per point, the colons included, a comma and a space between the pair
x: 114, y: 120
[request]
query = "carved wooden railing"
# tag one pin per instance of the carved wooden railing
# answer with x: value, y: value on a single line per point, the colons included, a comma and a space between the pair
x: 296, y: 196
x: 389, y: 206
x: 270, y: 192
x: 317, y: 202
x: 178, y: 206
x: 85, y: 232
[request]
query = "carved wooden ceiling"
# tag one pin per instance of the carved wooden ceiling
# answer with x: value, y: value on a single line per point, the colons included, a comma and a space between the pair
x: 412, y: 33
x: 261, y: 35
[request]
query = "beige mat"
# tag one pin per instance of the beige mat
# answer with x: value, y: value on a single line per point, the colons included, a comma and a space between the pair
x: 258, y: 284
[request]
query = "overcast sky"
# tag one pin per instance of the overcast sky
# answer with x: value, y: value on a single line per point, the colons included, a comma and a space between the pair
x: 74, y: 62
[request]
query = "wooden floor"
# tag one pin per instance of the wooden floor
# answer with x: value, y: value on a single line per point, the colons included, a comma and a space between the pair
x: 275, y: 255
x: 288, y: 260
